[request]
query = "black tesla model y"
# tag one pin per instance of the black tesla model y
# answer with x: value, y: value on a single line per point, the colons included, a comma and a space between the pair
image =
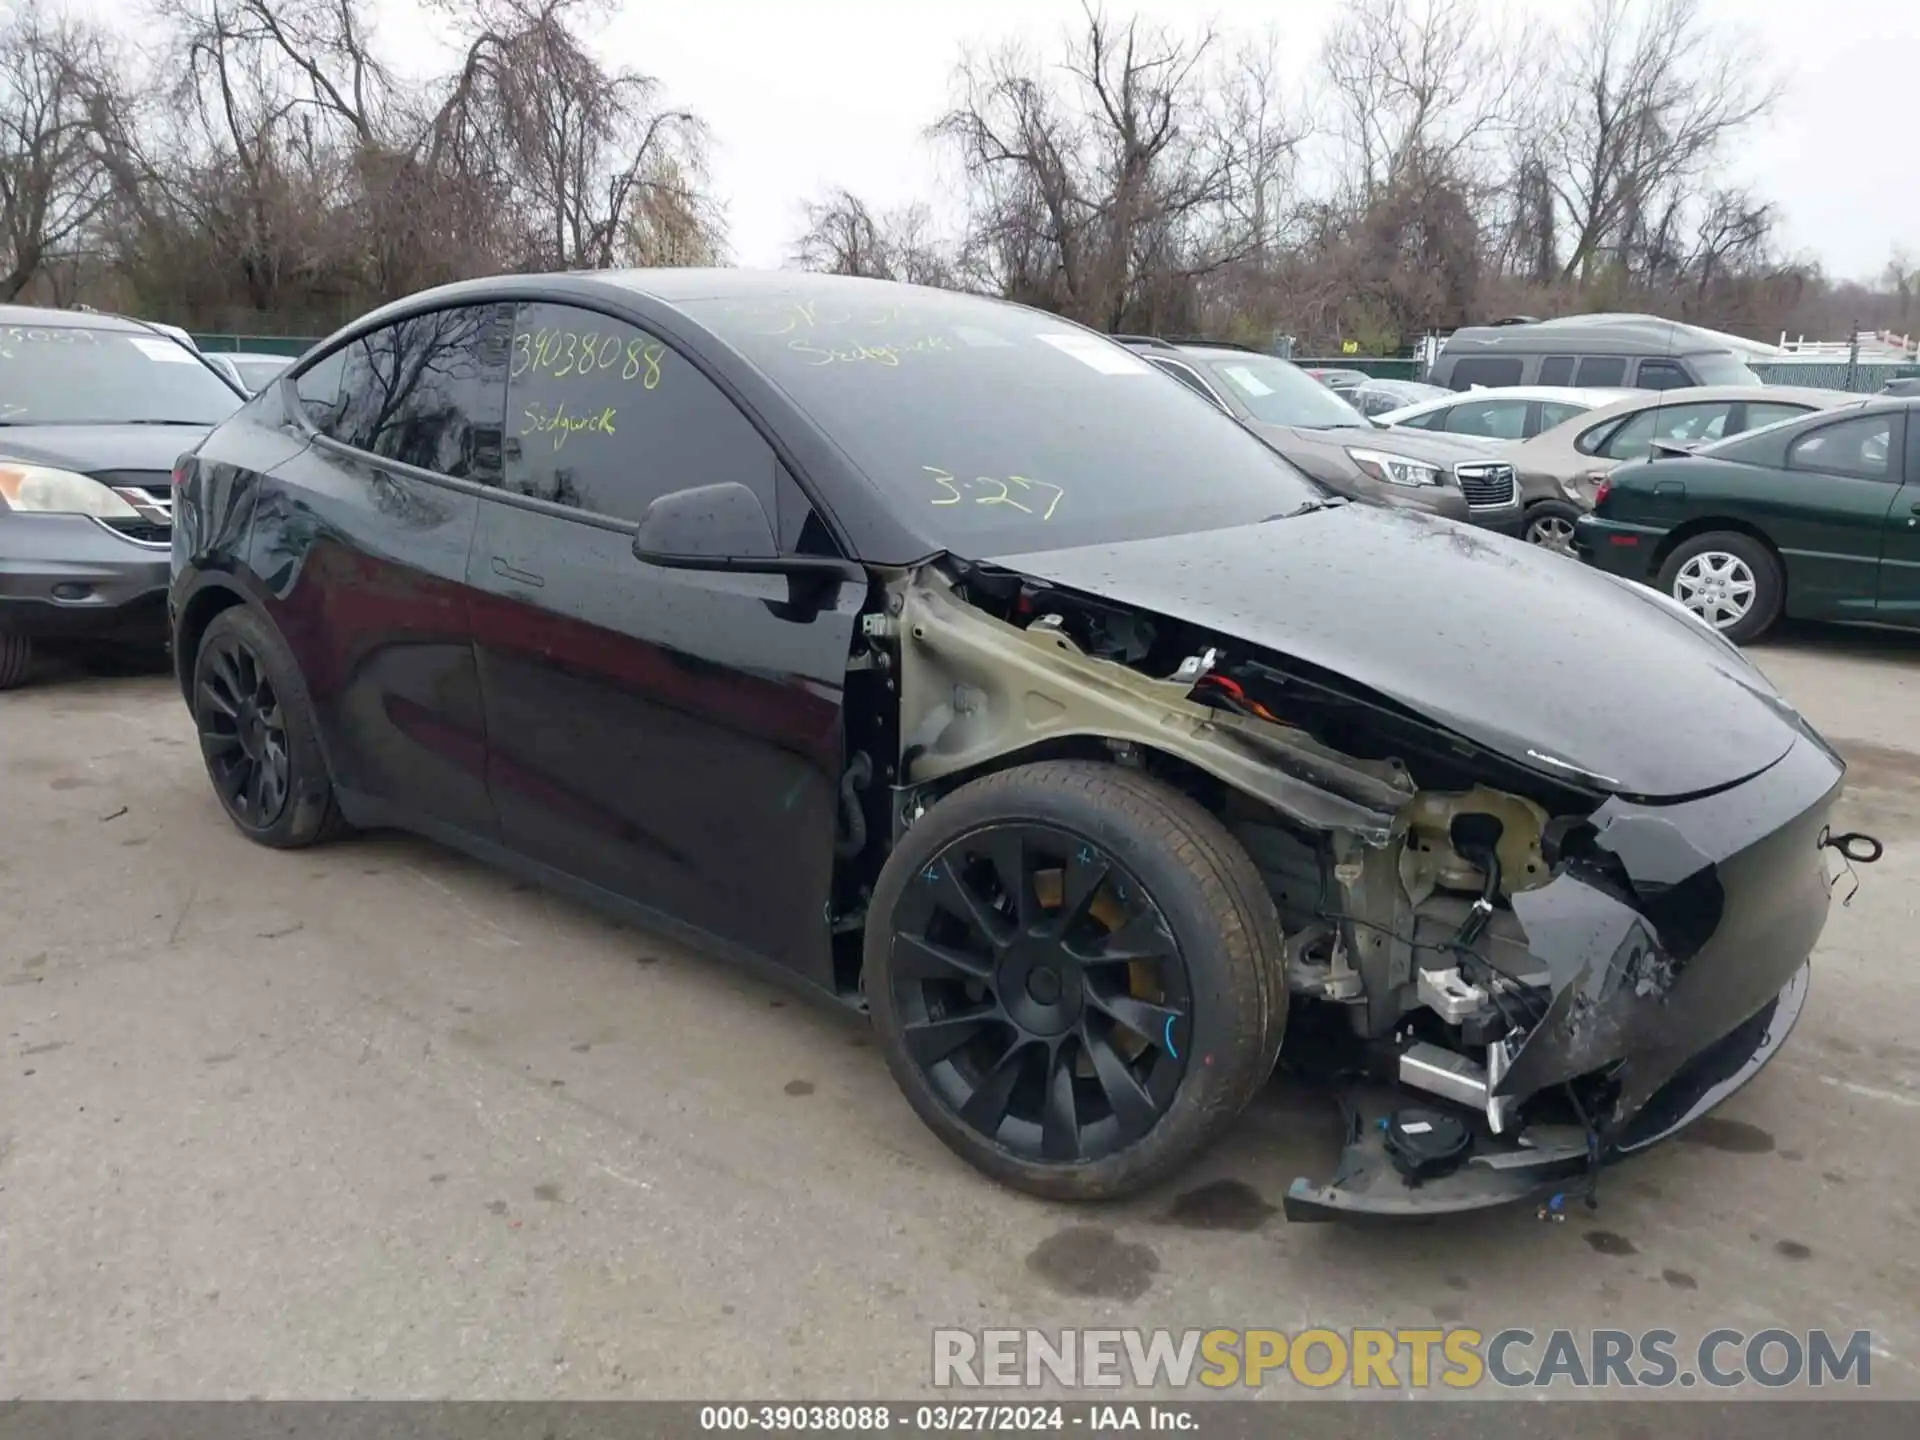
x: 949, y: 659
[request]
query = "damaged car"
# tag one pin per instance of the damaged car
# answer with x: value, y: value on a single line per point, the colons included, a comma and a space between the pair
x: 946, y: 659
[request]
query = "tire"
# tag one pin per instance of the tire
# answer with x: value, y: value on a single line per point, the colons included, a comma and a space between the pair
x: 1745, y: 568
x: 250, y: 706
x: 1174, y: 879
x: 16, y: 658
x: 1549, y: 525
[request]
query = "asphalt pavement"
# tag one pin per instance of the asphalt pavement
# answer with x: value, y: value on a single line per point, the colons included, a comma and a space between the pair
x: 374, y: 1120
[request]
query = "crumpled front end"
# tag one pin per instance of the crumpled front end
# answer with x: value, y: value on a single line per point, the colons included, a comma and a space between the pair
x: 1672, y: 949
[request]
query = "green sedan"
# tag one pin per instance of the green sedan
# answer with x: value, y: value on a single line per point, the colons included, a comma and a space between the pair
x: 1816, y: 517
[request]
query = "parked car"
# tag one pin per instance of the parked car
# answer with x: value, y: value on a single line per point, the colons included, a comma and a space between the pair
x: 1812, y: 518
x: 1516, y: 413
x: 1559, y: 468
x: 937, y: 655
x: 251, y: 371
x: 1590, y: 352
x: 1335, y: 378
x: 1338, y: 446
x: 94, y: 410
x: 1376, y: 396
x: 1905, y: 385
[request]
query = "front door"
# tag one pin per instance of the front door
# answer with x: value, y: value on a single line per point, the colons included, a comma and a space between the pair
x: 669, y: 736
x: 1830, y: 514
x: 363, y: 545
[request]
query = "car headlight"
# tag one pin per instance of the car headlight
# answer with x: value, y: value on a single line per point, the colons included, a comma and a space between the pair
x: 39, y: 490
x: 1396, y: 469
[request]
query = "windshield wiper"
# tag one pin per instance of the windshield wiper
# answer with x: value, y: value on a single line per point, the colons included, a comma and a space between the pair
x: 1330, y: 502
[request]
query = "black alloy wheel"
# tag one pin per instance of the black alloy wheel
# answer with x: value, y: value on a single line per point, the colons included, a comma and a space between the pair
x: 243, y: 734
x: 1041, y: 992
x: 1076, y: 976
x: 257, y: 734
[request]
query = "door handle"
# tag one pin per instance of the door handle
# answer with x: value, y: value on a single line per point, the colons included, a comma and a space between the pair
x: 512, y: 572
x: 1914, y: 508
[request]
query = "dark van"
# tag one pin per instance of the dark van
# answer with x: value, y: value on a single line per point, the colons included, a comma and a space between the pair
x: 1635, y: 352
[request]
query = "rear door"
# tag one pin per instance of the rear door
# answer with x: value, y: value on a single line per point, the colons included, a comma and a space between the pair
x: 362, y: 541
x: 668, y: 736
x: 1899, y: 595
x: 1833, y: 511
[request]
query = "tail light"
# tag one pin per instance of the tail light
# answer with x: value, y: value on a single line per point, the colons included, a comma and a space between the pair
x: 1600, y: 492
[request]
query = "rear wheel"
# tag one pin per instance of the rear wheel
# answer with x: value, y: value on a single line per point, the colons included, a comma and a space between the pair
x: 257, y: 734
x: 1550, y: 525
x: 16, y: 658
x: 1075, y: 974
x: 1729, y: 580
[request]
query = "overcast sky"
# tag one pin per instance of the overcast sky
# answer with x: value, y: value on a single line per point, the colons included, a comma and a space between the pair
x: 805, y: 94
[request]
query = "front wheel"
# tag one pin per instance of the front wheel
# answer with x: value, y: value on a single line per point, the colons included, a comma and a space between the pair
x: 16, y: 658
x: 1729, y: 580
x: 1550, y: 525
x: 1075, y: 974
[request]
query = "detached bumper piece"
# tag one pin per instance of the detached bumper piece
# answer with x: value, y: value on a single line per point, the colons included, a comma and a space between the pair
x: 1539, y: 1166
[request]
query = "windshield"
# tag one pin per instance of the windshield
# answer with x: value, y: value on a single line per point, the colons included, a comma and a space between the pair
x: 999, y: 430
x: 1278, y: 393
x: 1721, y: 367
x: 70, y: 375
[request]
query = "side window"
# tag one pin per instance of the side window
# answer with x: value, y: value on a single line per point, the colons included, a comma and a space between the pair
x: 1557, y: 412
x: 1603, y: 372
x: 1500, y: 419
x: 1860, y: 446
x: 602, y: 416
x: 318, y: 387
x: 429, y: 392
x: 1432, y: 420
x: 1663, y: 375
x: 1771, y: 413
x: 1690, y: 424
x: 1185, y: 376
x: 1556, y: 370
x: 1485, y: 370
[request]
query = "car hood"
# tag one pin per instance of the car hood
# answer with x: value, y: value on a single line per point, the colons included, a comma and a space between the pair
x: 1443, y: 450
x: 91, y: 448
x: 1558, y: 667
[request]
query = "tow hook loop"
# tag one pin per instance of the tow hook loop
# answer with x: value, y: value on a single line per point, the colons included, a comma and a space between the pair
x: 1856, y: 848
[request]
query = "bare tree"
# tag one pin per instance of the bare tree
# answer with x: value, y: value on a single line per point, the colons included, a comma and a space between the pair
x: 580, y: 146
x: 57, y: 100
x: 1649, y: 97
x: 843, y: 236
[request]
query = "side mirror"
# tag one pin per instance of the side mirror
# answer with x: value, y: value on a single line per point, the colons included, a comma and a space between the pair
x: 706, y: 527
x: 725, y: 527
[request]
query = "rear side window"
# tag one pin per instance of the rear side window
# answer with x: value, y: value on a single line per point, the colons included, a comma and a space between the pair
x: 1486, y: 370
x: 1772, y: 413
x: 604, y: 417
x: 1602, y: 372
x: 429, y: 392
x: 1861, y: 447
x: 1663, y: 375
x: 1432, y: 420
x: 1681, y: 424
x: 1557, y: 412
x: 1499, y: 419
x: 1556, y: 370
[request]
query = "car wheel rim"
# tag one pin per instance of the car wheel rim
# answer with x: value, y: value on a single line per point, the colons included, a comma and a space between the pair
x: 1039, y: 990
x: 243, y: 734
x: 1552, y: 532
x: 1716, y: 586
